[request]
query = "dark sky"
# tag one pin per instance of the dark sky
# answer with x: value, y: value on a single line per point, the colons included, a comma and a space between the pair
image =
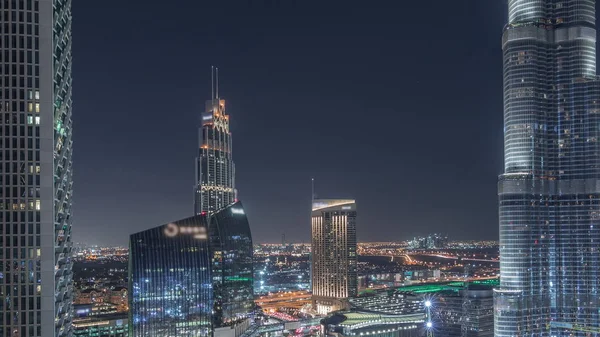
x: 395, y: 103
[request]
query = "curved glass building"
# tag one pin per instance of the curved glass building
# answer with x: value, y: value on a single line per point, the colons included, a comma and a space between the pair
x: 191, y: 277
x: 549, y: 193
x: 232, y: 266
x: 35, y: 168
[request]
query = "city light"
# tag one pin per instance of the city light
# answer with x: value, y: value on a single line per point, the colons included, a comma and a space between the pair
x: 428, y: 303
x: 429, y: 324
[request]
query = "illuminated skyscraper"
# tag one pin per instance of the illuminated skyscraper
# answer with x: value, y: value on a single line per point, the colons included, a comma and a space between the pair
x: 550, y: 191
x: 333, y: 253
x: 192, y: 277
x: 35, y: 168
x: 215, y: 170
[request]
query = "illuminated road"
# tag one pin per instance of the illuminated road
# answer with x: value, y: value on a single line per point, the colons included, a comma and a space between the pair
x: 293, y: 300
x: 449, y: 257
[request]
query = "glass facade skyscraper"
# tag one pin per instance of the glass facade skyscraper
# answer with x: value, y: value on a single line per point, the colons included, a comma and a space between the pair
x: 232, y: 265
x: 35, y: 168
x: 190, y: 277
x: 549, y: 193
x: 170, y: 280
x: 215, y: 170
x: 333, y: 253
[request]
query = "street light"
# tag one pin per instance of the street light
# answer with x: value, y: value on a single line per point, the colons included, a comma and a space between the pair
x: 428, y: 324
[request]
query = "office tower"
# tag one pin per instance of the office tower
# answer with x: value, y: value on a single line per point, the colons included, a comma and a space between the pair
x: 35, y: 166
x: 215, y: 170
x: 192, y: 277
x: 333, y: 265
x: 549, y: 193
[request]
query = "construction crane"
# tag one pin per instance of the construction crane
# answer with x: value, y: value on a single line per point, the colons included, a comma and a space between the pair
x: 573, y: 327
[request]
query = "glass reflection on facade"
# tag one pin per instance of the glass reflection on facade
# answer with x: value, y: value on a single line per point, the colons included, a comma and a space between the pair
x: 550, y: 191
x: 170, y: 280
x: 189, y: 277
x: 231, y: 255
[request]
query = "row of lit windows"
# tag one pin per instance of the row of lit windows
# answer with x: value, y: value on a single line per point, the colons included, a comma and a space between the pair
x: 20, y: 253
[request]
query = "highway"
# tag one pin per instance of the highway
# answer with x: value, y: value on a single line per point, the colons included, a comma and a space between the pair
x: 293, y: 300
x: 456, y: 258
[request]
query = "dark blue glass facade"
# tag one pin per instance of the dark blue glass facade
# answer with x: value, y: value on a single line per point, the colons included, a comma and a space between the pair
x: 170, y: 280
x: 231, y: 255
x: 191, y: 276
x: 550, y: 191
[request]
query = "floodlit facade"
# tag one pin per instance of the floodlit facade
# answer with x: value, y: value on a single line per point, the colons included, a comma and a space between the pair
x: 215, y: 170
x: 333, y: 253
x: 549, y: 193
x: 35, y: 168
x: 192, y: 277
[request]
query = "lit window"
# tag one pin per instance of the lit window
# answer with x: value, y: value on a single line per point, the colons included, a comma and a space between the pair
x: 37, y: 205
x: 29, y: 120
x: 37, y: 94
x: 39, y: 252
x: 37, y: 107
x: 29, y: 107
x: 29, y: 94
x: 37, y: 120
x: 37, y: 169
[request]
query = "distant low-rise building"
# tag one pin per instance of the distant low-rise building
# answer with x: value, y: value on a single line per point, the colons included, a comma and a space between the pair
x: 113, y: 325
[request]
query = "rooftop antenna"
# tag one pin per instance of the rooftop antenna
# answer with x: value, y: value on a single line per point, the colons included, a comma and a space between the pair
x: 212, y: 82
x: 312, y: 198
x: 217, y: 74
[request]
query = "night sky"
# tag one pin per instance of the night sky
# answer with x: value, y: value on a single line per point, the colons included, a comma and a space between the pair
x: 397, y: 104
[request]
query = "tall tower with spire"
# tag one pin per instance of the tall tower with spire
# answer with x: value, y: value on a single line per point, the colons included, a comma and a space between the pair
x: 549, y: 193
x: 215, y: 170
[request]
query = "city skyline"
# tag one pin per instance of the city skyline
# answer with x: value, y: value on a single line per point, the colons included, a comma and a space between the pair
x: 297, y: 92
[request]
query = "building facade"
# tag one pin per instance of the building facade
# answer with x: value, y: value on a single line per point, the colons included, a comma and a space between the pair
x: 193, y: 276
x: 35, y: 168
x: 170, y: 280
x: 215, y: 170
x: 112, y: 325
x: 232, y: 266
x: 466, y: 312
x: 333, y: 253
x: 549, y: 193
